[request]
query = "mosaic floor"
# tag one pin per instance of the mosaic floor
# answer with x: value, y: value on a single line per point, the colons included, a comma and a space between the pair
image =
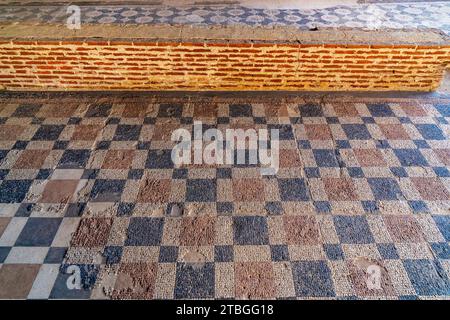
x: 87, y: 181
x: 368, y: 16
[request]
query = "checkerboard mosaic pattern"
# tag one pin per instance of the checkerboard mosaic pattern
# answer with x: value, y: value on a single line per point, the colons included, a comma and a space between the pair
x: 87, y: 181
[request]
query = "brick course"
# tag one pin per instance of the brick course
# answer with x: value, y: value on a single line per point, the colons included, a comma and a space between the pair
x: 128, y: 65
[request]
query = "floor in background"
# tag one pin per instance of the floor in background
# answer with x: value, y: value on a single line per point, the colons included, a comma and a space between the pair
x: 368, y: 16
x: 87, y: 181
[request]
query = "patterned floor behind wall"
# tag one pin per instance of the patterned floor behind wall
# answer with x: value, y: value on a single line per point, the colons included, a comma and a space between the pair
x: 368, y: 16
x: 88, y: 181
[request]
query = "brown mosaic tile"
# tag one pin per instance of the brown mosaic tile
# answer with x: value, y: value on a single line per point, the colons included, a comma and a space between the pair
x: 31, y: 159
x: 135, y: 281
x: 10, y: 132
x: 16, y: 280
x: 403, y: 228
x: 134, y: 110
x: 431, y: 189
x: 443, y: 155
x: 318, y: 131
x: 3, y: 224
x: 205, y: 110
x: 59, y: 191
x: 163, y: 132
x: 86, y: 132
x: 394, y: 131
x: 276, y: 110
x: 363, y: 276
x: 340, y: 189
x: 413, y: 110
x: 197, y: 231
x: 301, y: 230
x: 254, y: 280
x: 118, y: 159
x: 55, y: 110
x: 370, y: 157
x: 154, y: 190
x: 345, y: 109
x: 290, y: 158
x: 92, y: 232
x: 248, y: 189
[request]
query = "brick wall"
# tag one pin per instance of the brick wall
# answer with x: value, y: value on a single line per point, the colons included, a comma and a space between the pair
x: 96, y: 65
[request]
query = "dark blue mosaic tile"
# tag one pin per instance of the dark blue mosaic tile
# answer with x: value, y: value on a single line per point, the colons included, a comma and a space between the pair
x: 311, y: 110
x: 193, y: 282
x: 387, y: 251
x: 293, y: 190
x: 223, y: 253
x: 99, y: 110
x: 168, y: 254
x: 312, y: 279
x: 112, y: 254
x: 334, y: 251
x: 430, y: 132
x: 14, y: 191
x: 427, y: 277
x: 38, y: 232
x: 74, y: 159
x: 279, y: 252
x: 385, y: 188
x: 250, y: 230
x: 55, y: 255
x: 144, y: 231
x: 353, y: 229
x: 201, y: 190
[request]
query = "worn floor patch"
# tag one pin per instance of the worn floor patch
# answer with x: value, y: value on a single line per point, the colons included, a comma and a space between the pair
x: 92, y: 206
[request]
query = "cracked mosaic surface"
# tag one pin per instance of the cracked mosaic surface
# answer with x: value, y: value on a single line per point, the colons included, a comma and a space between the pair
x: 370, y: 16
x: 88, y: 181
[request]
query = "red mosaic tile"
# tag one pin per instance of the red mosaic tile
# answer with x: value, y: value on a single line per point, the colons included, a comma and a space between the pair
x: 135, y: 281
x: 31, y: 159
x: 163, y: 132
x: 431, y: 189
x: 207, y: 110
x: 443, y: 155
x: 134, y: 110
x: 289, y: 158
x: 340, y: 189
x: 370, y: 157
x: 254, y: 280
x: 318, y: 131
x: 197, y: 231
x: 154, y: 190
x: 3, y: 224
x: 403, y: 228
x: 55, y: 110
x: 370, y: 278
x: 86, y: 132
x: 248, y: 190
x: 394, y: 131
x: 118, y: 159
x: 345, y: 109
x: 92, y: 232
x: 16, y: 280
x: 59, y: 191
x: 10, y: 132
x: 301, y: 230
x: 276, y: 110
x: 413, y: 110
